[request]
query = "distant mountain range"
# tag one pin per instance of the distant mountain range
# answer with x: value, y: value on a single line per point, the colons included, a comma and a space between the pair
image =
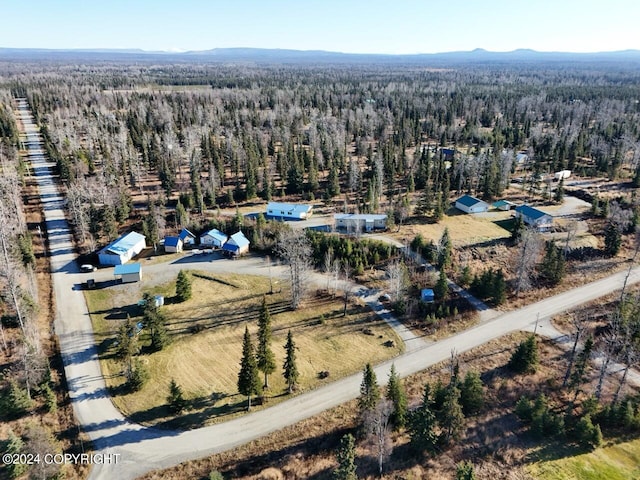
x: 269, y: 55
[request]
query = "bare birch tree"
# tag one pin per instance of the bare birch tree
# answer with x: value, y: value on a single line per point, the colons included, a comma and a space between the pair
x: 294, y: 248
x: 530, y: 244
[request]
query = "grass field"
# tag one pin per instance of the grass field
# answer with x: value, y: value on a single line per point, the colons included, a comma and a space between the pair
x: 206, y: 363
x: 616, y: 462
x: 464, y: 229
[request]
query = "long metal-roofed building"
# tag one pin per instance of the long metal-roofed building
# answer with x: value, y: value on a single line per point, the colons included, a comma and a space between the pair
x: 122, y: 250
x: 362, y: 222
x: 289, y: 211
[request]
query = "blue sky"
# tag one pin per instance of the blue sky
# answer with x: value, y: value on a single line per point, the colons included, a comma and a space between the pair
x: 374, y: 26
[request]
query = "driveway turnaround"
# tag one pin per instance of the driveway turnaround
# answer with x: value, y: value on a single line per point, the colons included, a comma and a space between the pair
x: 142, y: 449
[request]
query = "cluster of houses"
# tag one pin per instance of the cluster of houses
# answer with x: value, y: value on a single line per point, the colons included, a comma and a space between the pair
x: 530, y: 216
x: 232, y: 245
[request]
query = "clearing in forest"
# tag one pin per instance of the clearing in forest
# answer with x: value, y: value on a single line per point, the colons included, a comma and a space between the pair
x: 204, y: 354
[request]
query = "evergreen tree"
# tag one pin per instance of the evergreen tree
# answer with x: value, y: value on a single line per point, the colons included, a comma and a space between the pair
x: 465, y: 471
x: 15, y: 401
x: 265, y: 358
x: 445, y: 248
x: 175, y: 399
x: 553, y: 265
x: 450, y: 416
x: 588, y: 434
x: 558, y: 196
x: 471, y: 394
x: 579, y: 373
x: 517, y: 229
x: 398, y: 397
x: 127, y: 345
x: 182, y: 219
x: 612, y: 239
x: 525, y: 358
x: 183, y: 286
x: 369, y: 390
x: 139, y: 376
x: 346, y: 457
x: 290, y: 368
x: 15, y: 446
x: 154, y: 320
x: 422, y: 425
x: 248, y: 378
x: 499, y: 288
x: 441, y: 287
x: 109, y: 225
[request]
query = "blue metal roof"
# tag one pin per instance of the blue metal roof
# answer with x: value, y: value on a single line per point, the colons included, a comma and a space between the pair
x: 289, y: 208
x: 360, y: 216
x: 127, y: 269
x: 217, y: 234
x: 469, y: 201
x: 530, y: 212
x: 235, y: 242
x: 171, y: 241
x: 184, y: 233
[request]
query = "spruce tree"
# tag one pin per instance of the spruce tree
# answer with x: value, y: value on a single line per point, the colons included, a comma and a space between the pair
x: 346, y: 457
x: 369, y: 390
x: 422, y: 425
x: 183, y: 286
x: 265, y: 358
x: 15, y: 446
x: 471, y: 393
x: 525, y: 358
x: 612, y: 239
x: 290, y: 368
x: 450, y: 416
x: 154, y: 321
x: 248, y: 378
x: 445, y: 248
x: 441, y: 287
x: 398, y: 397
x: 465, y: 471
x: 175, y: 399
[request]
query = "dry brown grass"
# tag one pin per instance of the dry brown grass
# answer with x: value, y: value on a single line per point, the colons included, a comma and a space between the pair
x: 492, y: 440
x: 206, y: 363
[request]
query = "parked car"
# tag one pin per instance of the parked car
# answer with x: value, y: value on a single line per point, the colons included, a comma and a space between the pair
x: 87, y: 267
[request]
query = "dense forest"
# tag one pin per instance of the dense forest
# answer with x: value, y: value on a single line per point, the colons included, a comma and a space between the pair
x: 366, y: 136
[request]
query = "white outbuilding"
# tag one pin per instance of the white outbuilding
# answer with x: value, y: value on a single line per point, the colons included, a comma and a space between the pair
x: 289, y: 211
x: 213, y: 238
x: 122, y: 250
x: 469, y: 204
x: 128, y: 273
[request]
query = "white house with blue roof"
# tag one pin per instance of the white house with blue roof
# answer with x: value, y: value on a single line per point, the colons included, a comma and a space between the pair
x: 289, y: 211
x: 469, y: 204
x: 122, y: 250
x: 213, y: 238
x: 236, y: 245
x: 534, y: 217
x: 187, y: 237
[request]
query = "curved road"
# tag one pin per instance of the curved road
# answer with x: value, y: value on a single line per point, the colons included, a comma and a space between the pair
x: 143, y: 449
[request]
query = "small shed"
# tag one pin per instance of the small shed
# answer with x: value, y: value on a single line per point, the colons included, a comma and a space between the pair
x: 128, y: 273
x: 469, y: 204
x: 534, y: 217
x: 213, y: 238
x: 427, y: 295
x: 236, y: 245
x: 172, y: 244
x: 187, y: 237
x: 289, y: 211
x: 505, y: 205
